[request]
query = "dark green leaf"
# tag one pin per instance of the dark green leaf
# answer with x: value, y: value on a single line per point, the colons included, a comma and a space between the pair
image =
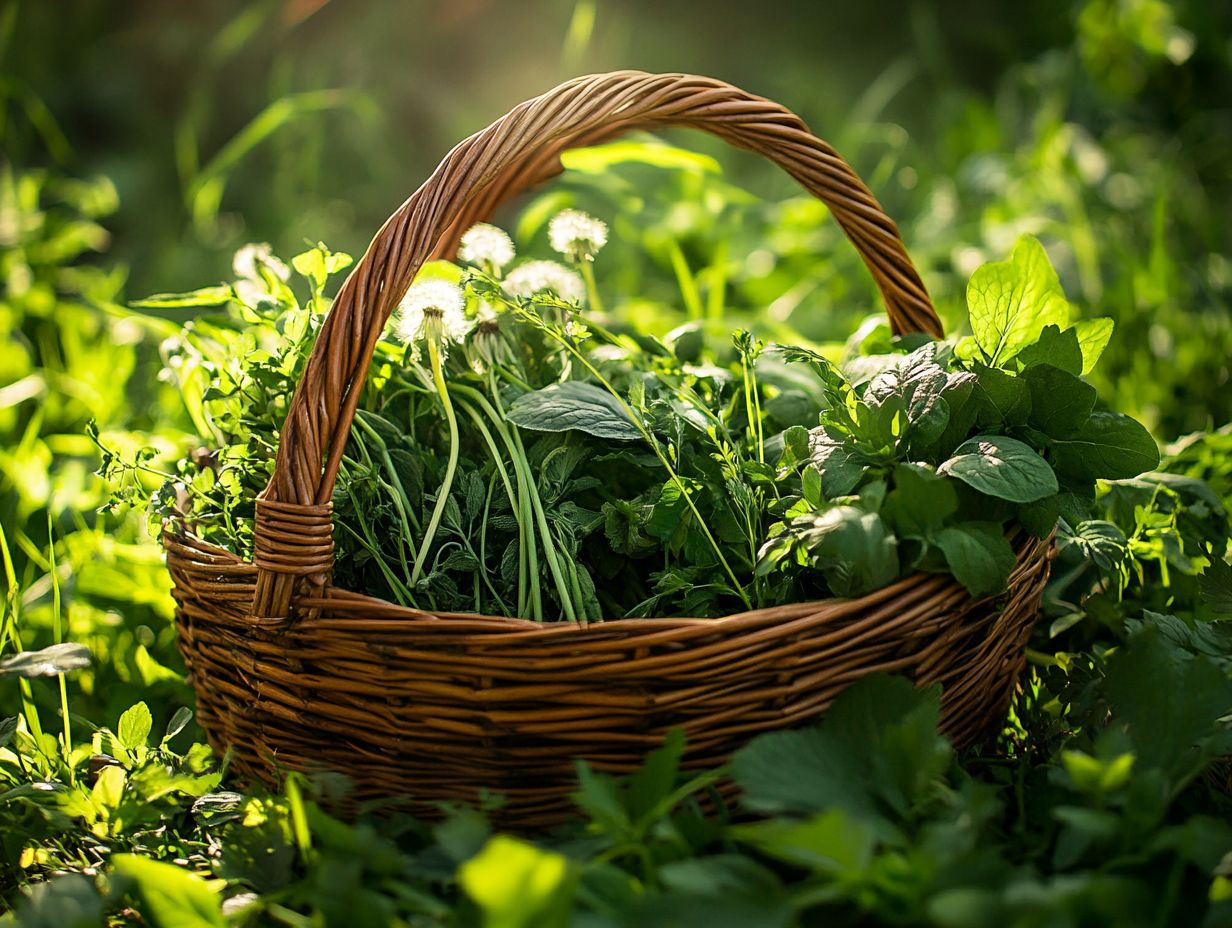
x: 1061, y: 404
x: 978, y: 554
x: 1002, y: 467
x: 1110, y: 446
x: 574, y: 405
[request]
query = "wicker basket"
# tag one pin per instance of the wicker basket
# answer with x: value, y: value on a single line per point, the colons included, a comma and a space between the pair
x: 292, y: 672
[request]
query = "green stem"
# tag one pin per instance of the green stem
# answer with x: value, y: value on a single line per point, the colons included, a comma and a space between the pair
x: 438, y: 376
x: 684, y: 277
x: 658, y: 451
x: 518, y: 454
x: 592, y: 289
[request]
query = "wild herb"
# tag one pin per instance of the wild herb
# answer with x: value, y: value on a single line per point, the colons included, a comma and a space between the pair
x: 519, y: 451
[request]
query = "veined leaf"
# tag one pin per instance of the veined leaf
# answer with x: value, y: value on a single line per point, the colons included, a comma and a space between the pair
x: 1002, y: 467
x: 1010, y: 302
x: 1110, y: 447
x: 574, y: 406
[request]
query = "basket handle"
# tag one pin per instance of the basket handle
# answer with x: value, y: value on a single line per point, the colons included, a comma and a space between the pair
x: 293, y: 531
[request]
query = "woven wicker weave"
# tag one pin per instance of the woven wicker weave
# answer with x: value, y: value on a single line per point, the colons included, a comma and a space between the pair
x: 292, y: 672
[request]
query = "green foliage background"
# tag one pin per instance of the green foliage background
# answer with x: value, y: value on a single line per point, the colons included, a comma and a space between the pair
x: 144, y: 142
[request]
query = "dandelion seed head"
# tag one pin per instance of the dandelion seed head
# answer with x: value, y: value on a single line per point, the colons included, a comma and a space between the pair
x: 486, y: 246
x: 250, y: 259
x: 577, y: 235
x: 433, y: 310
x: 534, y: 277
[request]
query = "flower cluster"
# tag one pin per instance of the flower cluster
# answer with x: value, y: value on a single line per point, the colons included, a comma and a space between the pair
x: 534, y: 277
x: 486, y: 246
x: 432, y: 310
x: 577, y: 235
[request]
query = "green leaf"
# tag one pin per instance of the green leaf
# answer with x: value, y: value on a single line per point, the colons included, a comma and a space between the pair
x: 574, y: 406
x: 1215, y: 586
x: 979, y: 556
x: 840, y: 466
x: 832, y: 842
x: 518, y: 885
x: 1002, y: 467
x: 1111, y: 447
x: 851, y: 547
x: 1010, y: 302
x: 920, y: 502
x: 179, y: 721
x: 135, y: 725
x: 68, y: 901
x: 874, y: 755
x: 48, y: 662
x: 171, y: 897
x: 1060, y: 349
x: 1003, y: 398
x: 206, y: 296
x: 1103, y: 543
x: 1093, y: 337
x: 1060, y: 402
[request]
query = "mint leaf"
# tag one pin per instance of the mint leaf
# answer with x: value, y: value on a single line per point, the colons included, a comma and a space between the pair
x: 1003, y: 398
x: 1002, y: 467
x: 1110, y: 447
x: 1093, y: 336
x: 1010, y: 302
x: 840, y: 467
x: 920, y: 502
x: 1060, y: 349
x: 873, y: 755
x: 573, y: 406
x: 1060, y: 402
x: 134, y: 728
x: 979, y: 556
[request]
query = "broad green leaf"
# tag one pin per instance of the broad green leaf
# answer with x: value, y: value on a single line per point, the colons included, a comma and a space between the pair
x: 832, y: 842
x: 48, y: 662
x: 1004, y: 399
x: 978, y: 554
x: 1101, y: 542
x: 920, y: 502
x: 206, y: 296
x: 574, y: 406
x: 1060, y: 402
x: 135, y: 725
x: 108, y: 789
x: 1010, y: 302
x: 656, y: 778
x: 171, y: 897
x: 1002, y: 467
x: 840, y: 467
x: 1110, y: 447
x: 518, y: 885
x: 874, y: 755
x: 68, y: 901
x: 1215, y: 587
x: 1060, y: 349
x: 851, y: 547
x: 1093, y: 337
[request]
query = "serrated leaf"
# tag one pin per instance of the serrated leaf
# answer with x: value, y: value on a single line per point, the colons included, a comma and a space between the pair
x: 573, y: 406
x: 873, y: 755
x: 1060, y: 402
x: 1010, y: 302
x: 1002, y: 467
x: 1055, y: 347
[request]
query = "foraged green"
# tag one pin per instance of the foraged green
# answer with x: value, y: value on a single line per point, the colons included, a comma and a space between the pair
x: 546, y: 460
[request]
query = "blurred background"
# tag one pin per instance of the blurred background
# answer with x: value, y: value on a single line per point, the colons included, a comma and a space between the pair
x: 143, y: 142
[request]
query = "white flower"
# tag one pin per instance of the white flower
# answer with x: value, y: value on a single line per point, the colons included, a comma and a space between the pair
x: 432, y: 310
x: 576, y: 235
x: 534, y: 277
x: 250, y: 259
x: 488, y: 347
x: 486, y: 246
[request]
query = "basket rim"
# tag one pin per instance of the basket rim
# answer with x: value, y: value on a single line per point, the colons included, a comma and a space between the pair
x: 939, y: 585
